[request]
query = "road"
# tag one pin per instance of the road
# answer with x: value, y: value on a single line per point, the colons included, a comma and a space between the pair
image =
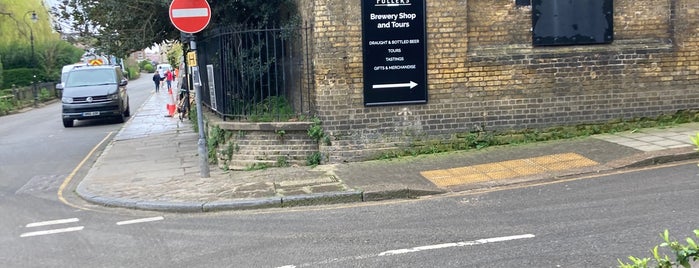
x: 582, y: 222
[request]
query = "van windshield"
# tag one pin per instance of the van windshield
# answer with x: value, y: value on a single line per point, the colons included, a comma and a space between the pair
x: 90, y: 77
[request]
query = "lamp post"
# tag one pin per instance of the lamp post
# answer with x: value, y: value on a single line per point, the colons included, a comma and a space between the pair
x: 34, y: 19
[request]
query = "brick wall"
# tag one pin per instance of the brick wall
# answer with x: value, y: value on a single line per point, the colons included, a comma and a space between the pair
x: 484, y: 74
x: 269, y: 143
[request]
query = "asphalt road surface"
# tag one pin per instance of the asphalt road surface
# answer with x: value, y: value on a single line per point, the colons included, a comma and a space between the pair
x: 584, y: 222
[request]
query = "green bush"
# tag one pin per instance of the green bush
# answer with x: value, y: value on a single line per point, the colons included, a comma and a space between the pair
x: 148, y: 68
x: 133, y: 73
x: 314, y: 159
x: 273, y: 108
x: 683, y: 254
x: 21, y: 77
x: 0, y: 71
x: 44, y: 95
x: 6, y: 106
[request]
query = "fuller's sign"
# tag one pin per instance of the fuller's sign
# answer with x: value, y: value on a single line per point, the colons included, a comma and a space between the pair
x: 394, y: 50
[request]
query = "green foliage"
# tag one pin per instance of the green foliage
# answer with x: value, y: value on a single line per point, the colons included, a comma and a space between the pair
x: 695, y: 140
x: 142, y: 64
x: 15, y: 27
x: 193, y: 118
x: 483, y: 139
x: 684, y: 254
x: 272, y: 108
x: 282, y: 161
x: 53, y: 55
x: 148, y: 68
x: 50, y: 56
x: 6, y: 105
x: 20, y: 77
x: 315, y: 131
x: 174, y: 54
x: 133, y: 73
x: 256, y: 166
x: 314, y: 159
x: 105, y: 24
x: 16, y: 55
x: 217, y: 136
x: 44, y: 95
x: 1, y: 79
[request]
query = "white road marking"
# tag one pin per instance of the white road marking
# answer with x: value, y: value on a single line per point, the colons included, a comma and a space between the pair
x: 458, y: 244
x: 44, y: 223
x: 160, y: 218
x: 410, y: 250
x: 54, y: 231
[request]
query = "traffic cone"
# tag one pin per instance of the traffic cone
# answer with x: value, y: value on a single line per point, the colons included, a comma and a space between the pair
x: 171, y: 107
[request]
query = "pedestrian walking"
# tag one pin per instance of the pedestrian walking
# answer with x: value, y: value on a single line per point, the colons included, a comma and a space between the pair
x: 156, y: 80
x: 168, y: 79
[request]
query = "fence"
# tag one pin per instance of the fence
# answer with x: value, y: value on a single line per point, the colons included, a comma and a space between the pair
x: 256, y: 74
x: 19, y: 97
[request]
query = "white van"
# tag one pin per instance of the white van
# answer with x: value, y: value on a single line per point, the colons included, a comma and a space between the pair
x: 68, y: 68
x: 162, y: 69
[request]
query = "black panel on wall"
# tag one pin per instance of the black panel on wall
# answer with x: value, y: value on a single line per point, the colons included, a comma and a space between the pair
x: 523, y: 2
x: 572, y: 22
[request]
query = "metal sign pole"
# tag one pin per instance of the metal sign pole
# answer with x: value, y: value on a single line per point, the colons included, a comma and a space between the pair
x: 202, y: 150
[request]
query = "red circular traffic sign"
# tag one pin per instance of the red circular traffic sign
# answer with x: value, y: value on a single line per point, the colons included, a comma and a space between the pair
x: 190, y: 16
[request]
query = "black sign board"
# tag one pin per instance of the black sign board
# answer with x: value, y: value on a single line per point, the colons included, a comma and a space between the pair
x: 395, y: 52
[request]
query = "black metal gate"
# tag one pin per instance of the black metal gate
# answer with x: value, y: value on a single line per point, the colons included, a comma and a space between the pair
x: 257, y: 75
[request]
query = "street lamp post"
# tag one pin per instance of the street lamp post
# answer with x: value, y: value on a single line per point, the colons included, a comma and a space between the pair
x: 34, y: 19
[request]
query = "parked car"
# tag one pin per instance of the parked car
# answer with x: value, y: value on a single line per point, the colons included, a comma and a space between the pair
x: 94, y: 92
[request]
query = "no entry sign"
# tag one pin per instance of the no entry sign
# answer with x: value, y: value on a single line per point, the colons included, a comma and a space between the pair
x: 190, y: 16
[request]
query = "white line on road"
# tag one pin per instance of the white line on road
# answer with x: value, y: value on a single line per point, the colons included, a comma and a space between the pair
x: 458, y: 244
x: 410, y: 250
x: 140, y: 220
x: 54, y: 231
x: 44, y: 223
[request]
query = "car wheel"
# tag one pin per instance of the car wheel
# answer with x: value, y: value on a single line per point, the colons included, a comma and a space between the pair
x: 67, y: 123
x: 121, y: 118
x: 127, y: 113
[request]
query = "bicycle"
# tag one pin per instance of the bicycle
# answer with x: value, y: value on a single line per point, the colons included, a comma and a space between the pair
x: 184, y: 103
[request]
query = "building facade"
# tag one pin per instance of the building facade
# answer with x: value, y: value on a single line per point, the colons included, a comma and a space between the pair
x: 487, y: 70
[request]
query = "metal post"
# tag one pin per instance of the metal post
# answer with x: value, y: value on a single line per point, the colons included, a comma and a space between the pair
x: 31, y: 40
x: 203, y: 151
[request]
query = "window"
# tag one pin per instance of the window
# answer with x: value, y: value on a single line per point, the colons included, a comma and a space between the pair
x: 572, y: 22
x: 523, y: 3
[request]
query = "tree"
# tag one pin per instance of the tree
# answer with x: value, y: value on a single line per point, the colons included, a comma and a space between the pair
x: 123, y: 26
x: 0, y: 70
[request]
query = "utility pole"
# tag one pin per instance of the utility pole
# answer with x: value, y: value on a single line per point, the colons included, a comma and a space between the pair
x: 196, y: 81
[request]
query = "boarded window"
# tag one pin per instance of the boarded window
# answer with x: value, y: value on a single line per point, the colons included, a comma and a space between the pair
x: 572, y: 22
x: 523, y: 2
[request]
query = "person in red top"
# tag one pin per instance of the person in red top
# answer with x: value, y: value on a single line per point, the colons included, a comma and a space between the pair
x: 169, y: 77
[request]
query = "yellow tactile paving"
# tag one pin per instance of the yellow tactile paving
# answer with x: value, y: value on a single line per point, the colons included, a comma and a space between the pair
x: 506, y: 169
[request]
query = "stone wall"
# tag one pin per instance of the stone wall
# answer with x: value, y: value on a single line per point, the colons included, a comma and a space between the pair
x: 484, y: 74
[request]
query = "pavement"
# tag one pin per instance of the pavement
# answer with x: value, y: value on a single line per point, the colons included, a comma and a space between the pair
x: 152, y: 164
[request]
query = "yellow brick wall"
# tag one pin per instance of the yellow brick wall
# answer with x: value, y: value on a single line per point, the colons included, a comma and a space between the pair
x: 484, y: 74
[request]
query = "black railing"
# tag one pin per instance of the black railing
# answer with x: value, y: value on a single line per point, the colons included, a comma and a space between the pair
x: 256, y: 74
